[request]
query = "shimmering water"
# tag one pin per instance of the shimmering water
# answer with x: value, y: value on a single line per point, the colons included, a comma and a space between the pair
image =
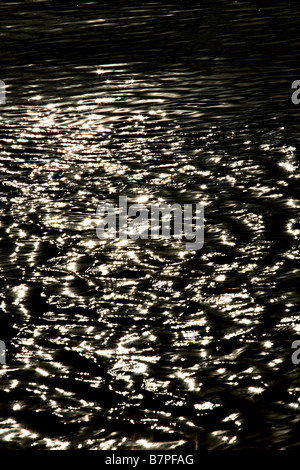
x: 143, y: 344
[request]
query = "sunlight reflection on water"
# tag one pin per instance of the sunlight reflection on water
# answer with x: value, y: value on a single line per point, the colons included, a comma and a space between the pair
x: 142, y: 344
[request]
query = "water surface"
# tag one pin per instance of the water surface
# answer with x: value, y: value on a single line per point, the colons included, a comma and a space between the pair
x: 144, y: 345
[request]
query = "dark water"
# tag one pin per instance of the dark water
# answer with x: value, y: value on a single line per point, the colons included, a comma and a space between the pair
x: 147, y: 345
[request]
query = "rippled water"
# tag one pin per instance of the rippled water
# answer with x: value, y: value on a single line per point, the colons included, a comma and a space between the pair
x: 143, y: 344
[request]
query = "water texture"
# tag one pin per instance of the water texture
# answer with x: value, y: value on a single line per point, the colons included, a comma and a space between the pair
x: 142, y: 344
